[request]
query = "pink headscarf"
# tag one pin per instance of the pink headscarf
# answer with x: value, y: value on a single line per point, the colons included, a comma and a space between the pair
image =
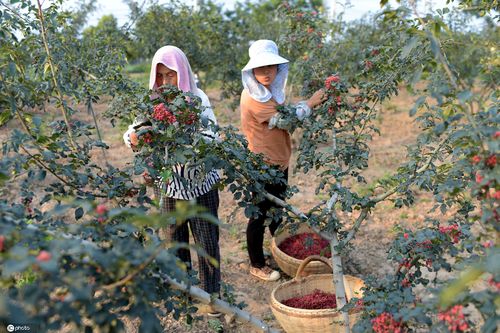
x: 176, y: 60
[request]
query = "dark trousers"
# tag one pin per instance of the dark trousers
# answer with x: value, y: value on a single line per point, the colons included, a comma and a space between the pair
x: 205, y: 234
x: 256, y: 227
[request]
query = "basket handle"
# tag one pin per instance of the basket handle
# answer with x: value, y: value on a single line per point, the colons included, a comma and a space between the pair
x: 308, y: 260
x: 348, y: 288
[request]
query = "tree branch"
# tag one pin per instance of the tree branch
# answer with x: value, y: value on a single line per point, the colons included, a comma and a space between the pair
x: 94, y: 118
x: 296, y: 212
x: 355, y: 227
x: 220, y: 305
x: 65, y: 182
x: 338, y: 270
x: 14, y: 12
x: 423, y: 168
x: 43, y: 33
x: 195, y: 292
x: 137, y: 270
x: 442, y: 59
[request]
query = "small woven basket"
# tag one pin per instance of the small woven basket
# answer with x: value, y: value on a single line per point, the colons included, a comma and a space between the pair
x: 295, y: 320
x: 289, y: 264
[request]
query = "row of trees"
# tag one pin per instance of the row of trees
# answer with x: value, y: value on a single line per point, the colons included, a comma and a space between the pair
x: 216, y: 40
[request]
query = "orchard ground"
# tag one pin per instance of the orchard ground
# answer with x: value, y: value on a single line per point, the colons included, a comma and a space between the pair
x: 371, y: 243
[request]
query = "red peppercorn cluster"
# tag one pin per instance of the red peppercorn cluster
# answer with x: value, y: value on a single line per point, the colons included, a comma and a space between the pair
x: 454, y: 319
x: 190, y: 118
x: 101, y: 211
x: 360, y: 304
x: 162, y: 113
x: 330, y: 79
x: 27, y: 205
x: 43, y: 256
x: 494, y: 284
x: 490, y: 161
x: 426, y: 244
x: 315, y: 301
x: 453, y: 231
x: 297, y: 246
x: 385, y: 323
x: 476, y: 159
x: 2, y: 243
x: 406, y: 263
x: 147, y: 138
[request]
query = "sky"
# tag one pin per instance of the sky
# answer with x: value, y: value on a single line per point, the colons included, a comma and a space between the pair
x: 358, y: 8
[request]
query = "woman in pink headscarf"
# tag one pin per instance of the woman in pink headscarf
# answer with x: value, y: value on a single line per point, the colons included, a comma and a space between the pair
x: 171, y: 67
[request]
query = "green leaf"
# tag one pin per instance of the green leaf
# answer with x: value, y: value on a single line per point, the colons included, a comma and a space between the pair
x: 490, y: 325
x: 3, y: 177
x: 417, y: 105
x: 437, y: 28
x: 447, y: 112
x: 434, y: 46
x: 19, y: 260
x: 78, y: 213
x: 417, y: 75
x: 12, y: 68
x: 41, y: 175
x: 464, y: 96
x: 166, y: 175
x: 412, y: 43
x: 46, y: 68
x: 5, y: 116
x: 149, y: 323
x: 450, y: 293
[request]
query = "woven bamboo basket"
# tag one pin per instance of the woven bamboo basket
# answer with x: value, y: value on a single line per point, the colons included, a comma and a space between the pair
x: 313, y: 321
x: 289, y: 264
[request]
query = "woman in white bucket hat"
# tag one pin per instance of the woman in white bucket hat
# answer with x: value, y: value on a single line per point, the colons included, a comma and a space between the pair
x: 264, y: 80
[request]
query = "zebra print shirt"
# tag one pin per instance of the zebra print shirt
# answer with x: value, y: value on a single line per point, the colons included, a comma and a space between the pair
x: 188, y: 182
x: 194, y: 182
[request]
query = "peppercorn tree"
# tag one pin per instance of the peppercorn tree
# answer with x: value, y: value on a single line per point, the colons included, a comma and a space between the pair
x: 454, y: 158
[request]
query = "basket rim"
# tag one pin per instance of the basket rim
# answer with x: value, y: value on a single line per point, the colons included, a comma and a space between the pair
x: 285, y: 257
x: 305, y: 313
x: 309, y: 313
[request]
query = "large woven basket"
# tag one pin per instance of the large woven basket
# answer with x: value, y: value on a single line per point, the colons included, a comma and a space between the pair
x: 289, y: 264
x: 295, y: 320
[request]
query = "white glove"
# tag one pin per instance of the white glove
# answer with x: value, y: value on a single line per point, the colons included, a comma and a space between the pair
x: 126, y: 136
x: 302, y: 110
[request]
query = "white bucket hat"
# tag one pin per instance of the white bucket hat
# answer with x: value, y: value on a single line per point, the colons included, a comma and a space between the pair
x: 263, y: 52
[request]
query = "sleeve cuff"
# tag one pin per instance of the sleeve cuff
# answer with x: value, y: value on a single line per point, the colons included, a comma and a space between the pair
x: 126, y: 136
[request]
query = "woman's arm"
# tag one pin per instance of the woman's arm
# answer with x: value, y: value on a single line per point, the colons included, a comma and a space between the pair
x: 302, y: 111
x: 130, y: 136
x: 209, y: 116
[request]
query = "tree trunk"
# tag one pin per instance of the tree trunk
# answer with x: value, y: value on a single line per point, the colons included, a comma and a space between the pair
x: 338, y: 281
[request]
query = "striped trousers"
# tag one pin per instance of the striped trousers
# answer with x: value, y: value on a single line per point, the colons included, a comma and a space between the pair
x: 205, y: 235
